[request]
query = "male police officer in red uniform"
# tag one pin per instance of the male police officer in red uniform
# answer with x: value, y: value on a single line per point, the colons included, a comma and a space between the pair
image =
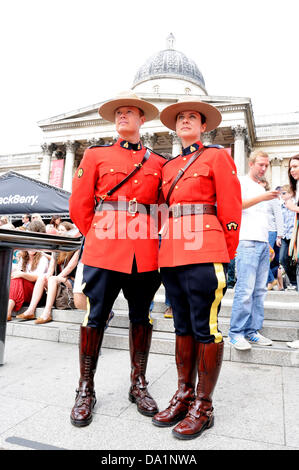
x: 120, y: 250
x: 199, y: 239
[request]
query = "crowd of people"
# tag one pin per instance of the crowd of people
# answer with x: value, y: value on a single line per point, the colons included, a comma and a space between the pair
x: 281, y: 221
x: 41, y: 278
x: 268, y: 230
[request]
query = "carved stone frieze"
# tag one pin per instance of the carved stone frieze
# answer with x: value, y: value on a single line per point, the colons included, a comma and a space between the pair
x: 148, y: 139
x: 95, y: 141
x: 48, y: 149
x: 276, y: 160
x: 174, y: 138
x: 239, y: 132
x: 71, y: 146
x: 207, y: 138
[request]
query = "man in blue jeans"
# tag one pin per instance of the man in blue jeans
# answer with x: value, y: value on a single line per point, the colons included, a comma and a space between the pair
x: 253, y: 258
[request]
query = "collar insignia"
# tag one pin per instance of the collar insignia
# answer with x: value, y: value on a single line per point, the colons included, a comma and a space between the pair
x: 127, y: 145
x: 192, y: 148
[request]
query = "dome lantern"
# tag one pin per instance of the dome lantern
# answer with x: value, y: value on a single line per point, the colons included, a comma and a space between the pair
x: 170, y: 64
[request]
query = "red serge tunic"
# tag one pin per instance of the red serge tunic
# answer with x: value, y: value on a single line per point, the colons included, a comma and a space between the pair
x: 211, y: 179
x: 113, y: 238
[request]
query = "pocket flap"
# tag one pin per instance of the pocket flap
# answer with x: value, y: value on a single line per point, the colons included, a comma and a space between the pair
x: 151, y: 171
x: 112, y: 169
x: 194, y: 171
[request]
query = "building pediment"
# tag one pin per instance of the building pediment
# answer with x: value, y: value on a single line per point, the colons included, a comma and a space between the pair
x: 81, y: 114
x: 89, y: 114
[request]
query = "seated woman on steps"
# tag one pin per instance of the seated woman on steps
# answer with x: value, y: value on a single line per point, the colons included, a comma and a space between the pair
x: 65, y: 264
x: 32, y: 264
x: 25, y: 270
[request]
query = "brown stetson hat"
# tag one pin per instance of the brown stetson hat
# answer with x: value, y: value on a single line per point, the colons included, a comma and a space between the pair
x: 127, y: 98
x: 169, y: 114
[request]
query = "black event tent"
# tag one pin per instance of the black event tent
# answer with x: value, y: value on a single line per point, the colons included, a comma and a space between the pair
x: 23, y: 195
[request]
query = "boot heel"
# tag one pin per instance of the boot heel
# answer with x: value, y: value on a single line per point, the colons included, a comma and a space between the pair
x: 211, y: 423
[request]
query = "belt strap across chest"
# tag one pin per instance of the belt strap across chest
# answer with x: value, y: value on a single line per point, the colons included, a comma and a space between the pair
x: 181, y: 172
x: 127, y: 178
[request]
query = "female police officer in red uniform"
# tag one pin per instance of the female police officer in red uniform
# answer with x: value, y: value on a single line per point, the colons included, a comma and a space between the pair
x: 198, y: 240
x: 109, y: 206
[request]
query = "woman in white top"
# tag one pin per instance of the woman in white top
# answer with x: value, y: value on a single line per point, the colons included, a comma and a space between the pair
x: 293, y: 247
x: 31, y: 265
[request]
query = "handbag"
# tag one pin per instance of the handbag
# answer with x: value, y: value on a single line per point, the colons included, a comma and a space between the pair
x: 64, y: 297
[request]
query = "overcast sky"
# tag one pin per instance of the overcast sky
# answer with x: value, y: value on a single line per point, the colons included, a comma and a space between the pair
x: 61, y: 55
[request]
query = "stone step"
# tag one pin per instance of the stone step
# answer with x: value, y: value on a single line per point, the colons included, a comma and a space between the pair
x: 288, y: 311
x: 274, y: 310
x: 281, y: 325
x: 163, y: 342
x: 278, y: 330
x: 273, y: 295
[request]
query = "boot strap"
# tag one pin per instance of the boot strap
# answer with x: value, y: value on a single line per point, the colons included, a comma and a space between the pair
x: 177, y: 398
x: 141, y: 383
x: 85, y: 392
x: 196, y: 411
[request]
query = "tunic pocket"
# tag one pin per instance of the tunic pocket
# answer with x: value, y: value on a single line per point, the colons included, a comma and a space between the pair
x: 194, y: 182
x: 110, y: 176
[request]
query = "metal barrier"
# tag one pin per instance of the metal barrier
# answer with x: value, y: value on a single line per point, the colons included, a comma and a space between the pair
x: 11, y: 240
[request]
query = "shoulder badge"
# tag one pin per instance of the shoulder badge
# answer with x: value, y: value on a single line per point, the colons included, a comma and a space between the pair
x: 156, y: 153
x: 214, y: 146
x: 96, y: 146
x: 232, y: 226
x: 80, y: 172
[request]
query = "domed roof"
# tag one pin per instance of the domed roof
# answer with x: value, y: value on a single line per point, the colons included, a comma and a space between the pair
x: 169, y: 63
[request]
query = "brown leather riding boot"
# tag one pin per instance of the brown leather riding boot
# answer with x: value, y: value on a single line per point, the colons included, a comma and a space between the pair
x: 90, y: 345
x: 200, y: 415
x: 140, y: 340
x: 185, y: 356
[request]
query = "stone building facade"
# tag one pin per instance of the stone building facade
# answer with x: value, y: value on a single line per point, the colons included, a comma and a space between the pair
x: 164, y: 78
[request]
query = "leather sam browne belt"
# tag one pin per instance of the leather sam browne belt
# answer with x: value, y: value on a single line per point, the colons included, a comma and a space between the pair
x: 178, y: 210
x: 132, y: 207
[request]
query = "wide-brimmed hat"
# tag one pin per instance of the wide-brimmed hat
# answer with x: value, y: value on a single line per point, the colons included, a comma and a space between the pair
x: 127, y: 98
x: 212, y: 115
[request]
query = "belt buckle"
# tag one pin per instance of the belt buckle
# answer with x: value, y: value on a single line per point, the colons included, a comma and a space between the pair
x: 133, y: 205
x: 176, y: 211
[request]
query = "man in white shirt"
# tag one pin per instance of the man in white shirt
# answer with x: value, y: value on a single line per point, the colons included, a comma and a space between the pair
x: 253, y: 258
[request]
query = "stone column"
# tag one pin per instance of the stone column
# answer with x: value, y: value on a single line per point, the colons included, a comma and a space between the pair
x: 240, y: 133
x: 276, y: 163
x: 284, y: 172
x: 47, y: 149
x: 207, y: 138
x: 176, y: 144
x: 148, y: 140
x: 71, y: 147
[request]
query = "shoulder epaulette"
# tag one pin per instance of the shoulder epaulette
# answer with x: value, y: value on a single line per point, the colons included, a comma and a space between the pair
x: 214, y: 146
x: 96, y: 146
x: 156, y: 153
